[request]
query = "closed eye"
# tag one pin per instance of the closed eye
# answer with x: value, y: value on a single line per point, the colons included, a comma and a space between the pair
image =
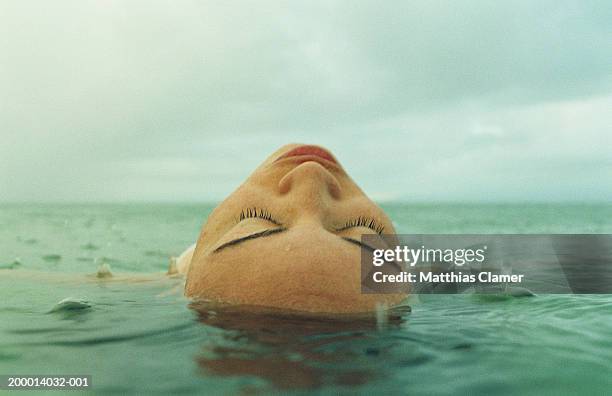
x: 362, y: 221
x: 273, y: 231
x: 260, y: 234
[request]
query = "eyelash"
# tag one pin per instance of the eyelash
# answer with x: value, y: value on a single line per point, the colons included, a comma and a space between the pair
x: 254, y: 212
x: 264, y: 214
x: 363, y: 222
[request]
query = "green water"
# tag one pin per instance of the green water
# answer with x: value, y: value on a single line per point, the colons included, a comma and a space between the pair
x: 145, y: 337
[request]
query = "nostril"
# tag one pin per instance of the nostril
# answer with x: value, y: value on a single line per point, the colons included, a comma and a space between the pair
x: 334, y: 189
x: 284, y: 185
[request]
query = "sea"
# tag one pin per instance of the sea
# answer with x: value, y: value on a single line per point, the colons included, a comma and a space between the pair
x: 135, y: 332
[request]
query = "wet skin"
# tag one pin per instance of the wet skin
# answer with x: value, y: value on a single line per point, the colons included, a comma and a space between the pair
x: 288, y: 238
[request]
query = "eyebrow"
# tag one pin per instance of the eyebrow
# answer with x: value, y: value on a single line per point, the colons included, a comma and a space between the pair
x: 273, y: 231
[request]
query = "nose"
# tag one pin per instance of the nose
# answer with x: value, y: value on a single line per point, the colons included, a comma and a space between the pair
x: 310, y: 184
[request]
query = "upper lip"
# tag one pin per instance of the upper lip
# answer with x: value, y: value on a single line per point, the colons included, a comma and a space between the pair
x: 311, y: 152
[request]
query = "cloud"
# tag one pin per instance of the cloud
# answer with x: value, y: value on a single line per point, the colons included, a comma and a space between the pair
x: 157, y: 100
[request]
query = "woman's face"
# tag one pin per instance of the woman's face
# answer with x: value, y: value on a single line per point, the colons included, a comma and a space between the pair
x: 288, y: 238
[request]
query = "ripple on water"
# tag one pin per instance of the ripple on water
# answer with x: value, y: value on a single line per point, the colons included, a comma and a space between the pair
x: 105, y: 259
x: 8, y: 357
x: 157, y: 253
x: 12, y: 265
x: 52, y: 258
x: 121, y: 337
x: 89, y: 246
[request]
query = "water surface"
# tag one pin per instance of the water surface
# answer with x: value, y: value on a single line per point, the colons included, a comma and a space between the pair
x: 144, y: 336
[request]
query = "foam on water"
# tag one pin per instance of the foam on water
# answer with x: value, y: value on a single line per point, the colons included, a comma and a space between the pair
x: 70, y: 304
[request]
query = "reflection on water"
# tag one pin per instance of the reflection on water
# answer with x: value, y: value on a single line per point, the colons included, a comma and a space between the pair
x: 137, y: 338
x: 292, y: 351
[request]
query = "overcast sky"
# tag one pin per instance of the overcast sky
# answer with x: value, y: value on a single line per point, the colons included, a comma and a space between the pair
x: 421, y: 101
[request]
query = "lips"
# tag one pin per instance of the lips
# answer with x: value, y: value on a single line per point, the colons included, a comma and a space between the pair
x: 313, y: 152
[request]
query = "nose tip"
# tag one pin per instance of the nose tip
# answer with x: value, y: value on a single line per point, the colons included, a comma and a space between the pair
x: 312, y: 179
